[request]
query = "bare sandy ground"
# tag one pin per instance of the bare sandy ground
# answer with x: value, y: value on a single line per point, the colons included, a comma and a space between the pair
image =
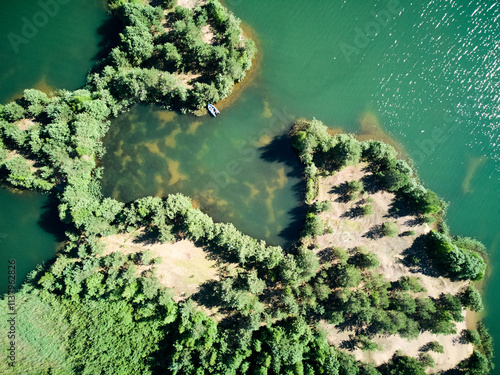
x: 184, y: 265
x: 346, y: 234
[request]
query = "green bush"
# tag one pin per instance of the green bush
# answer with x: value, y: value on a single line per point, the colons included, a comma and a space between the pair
x: 313, y: 226
x: 12, y: 112
x: 340, y: 254
x: 323, y: 206
x: 167, y: 4
x: 471, y: 299
x: 389, y: 229
x: 405, y: 365
x: 472, y: 336
x: 458, y: 263
x: 367, y: 210
x: 355, y: 186
x: 410, y: 283
x: 364, y: 259
x: 434, y: 346
x: 468, y: 243
x: 346, y: 151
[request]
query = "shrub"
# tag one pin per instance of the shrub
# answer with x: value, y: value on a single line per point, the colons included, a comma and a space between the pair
x: 458, y: 263
x: 410, y: 283
x: 313, y: 227
x: 167, y: 4
x: 486, y: 341
x: 365, y: 344
x: 477, y: 364
x: 323, y: 206
x: 471, y: 336
x: 389, y: 229
x: 348, y: 276
x: 340, y: 254
x: 470, y: 244
x: 307, y: 263
x: 347, y: 151
x: 147, y: 257
x: 434, y: 346
x: 353, y: 196
x: 355, y: 186
x: 426, y: 360
x: 367, y: 210
x: 365, y: 259
x: 471, y: 299
x: 368, y: 369
x: 13, y: 112
x: 405, y: 365
x: 428, y: 219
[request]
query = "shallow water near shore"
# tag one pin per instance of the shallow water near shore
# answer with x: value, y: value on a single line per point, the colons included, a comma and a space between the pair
x: 425, y: 74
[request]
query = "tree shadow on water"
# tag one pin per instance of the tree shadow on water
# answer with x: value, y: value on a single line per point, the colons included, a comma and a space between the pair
x: 280, y: 150
x: 291, y: 233
x: 49, y: 219
x: 109, y: 33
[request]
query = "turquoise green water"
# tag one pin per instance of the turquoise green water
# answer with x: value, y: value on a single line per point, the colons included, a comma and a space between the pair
x: 55, y: 54
x: 427, y: 74
x: 48, y: 47
x: 26, y: 233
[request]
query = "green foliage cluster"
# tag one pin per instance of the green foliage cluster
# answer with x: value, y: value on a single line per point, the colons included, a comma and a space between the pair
x: 313, y: 226
x: 471, y: 299
x: 323, y: 206
x: 389, y: 229
x: 434, y: 346
x: 367, y: 210
x: 410, y: 283
x: 456, y: 262
x: 146, y: 64
x: 364, y: 259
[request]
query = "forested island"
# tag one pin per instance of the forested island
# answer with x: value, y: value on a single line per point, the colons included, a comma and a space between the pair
x: 375, y: 285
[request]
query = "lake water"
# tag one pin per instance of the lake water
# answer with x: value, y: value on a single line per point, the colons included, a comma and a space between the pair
x: 426, y: 74
x: 45, y: 47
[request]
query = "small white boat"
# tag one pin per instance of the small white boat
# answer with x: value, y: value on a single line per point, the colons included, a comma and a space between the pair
x: 213, y: 111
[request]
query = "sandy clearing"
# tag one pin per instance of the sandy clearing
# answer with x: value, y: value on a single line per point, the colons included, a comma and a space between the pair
x: 191, y: 4
x: 184, y: 265
x: 346, y: 234
x: 25, y: 123
x: 207, y: 34
x: 185, y: 78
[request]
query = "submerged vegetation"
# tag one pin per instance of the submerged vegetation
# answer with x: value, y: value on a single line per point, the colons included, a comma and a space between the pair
x: 95, y: 311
